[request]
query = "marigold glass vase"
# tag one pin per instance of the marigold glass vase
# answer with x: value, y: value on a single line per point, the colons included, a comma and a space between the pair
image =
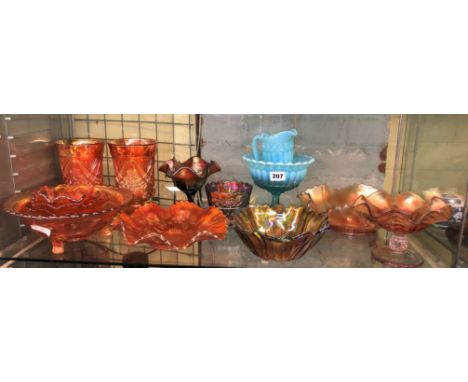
x: 80, y: 160
x: 134, y: 166
x: 401, y: 215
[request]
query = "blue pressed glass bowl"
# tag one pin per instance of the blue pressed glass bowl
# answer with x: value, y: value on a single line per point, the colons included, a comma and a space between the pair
x: 277, y: 178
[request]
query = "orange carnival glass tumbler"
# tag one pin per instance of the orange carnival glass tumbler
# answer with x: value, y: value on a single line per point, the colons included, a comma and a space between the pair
x: 134, y: 166
x: 81, y: 160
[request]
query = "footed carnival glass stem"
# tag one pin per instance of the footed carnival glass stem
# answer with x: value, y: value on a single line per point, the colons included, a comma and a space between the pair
x: 275, y: 199
x: 398, y: 243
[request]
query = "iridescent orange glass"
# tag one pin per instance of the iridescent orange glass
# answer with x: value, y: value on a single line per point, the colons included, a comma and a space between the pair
x: 229, y: 196
x: 68, y: 212
x: 80, y: 160
x: 279, y: 233
x: 134, y: 166
x: 339, y: 205
x: 173, y: 228
x: 402, y: 214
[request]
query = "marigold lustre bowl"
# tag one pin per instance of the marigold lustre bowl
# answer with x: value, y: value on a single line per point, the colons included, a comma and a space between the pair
x: 339, y: 205
x: 173, y: 228
x: 228, y: 196
x: 68, y: 212
x: 402, y: 214
x: 279, y: 233
x: 191, y: 175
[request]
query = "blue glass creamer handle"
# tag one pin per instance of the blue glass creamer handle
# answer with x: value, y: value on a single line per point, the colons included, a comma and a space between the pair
x: 255, y: 152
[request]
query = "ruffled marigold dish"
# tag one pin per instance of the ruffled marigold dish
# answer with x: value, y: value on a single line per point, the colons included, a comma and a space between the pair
x: 68, y: 212
x: 173, y: 228
x: 339, y: 204
x: 402, y: 214
x: 191, y: 175
x: 279, y: 233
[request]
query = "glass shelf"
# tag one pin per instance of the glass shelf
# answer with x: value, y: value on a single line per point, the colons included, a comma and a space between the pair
x: 333, y: 250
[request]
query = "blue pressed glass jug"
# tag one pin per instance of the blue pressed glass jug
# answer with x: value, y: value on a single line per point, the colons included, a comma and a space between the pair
x: 276, y: 148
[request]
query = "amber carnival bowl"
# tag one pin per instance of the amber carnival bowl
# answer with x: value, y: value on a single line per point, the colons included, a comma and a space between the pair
x: 401, y: 215
x: 229, y: 196
x: 175, y: 227
x: 279, y: 233
x: 339, y: 205
x: 67, y: 213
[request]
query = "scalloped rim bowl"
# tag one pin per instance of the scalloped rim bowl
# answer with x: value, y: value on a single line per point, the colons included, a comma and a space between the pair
x: 71, y: 227
x: 175, y: 227
x: 279, y: 233
x: 339, y: 205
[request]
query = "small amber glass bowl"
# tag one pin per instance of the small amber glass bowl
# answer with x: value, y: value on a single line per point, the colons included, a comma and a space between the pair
x: 228, y: 196
x: 80, y: 160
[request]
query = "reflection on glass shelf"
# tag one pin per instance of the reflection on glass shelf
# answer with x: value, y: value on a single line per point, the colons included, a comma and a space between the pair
x: 334, y: 250
x: 97, y: 251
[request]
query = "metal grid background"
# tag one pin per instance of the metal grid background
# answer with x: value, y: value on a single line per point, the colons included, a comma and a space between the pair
x: 176, y: 135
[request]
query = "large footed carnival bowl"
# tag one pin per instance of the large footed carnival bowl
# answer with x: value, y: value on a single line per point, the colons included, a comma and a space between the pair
x: 173, y: 228
x: 401, y: 214
x: 279, y: 233
x: 277, y: 178
x: 339, y: 205
x: 66, y: 213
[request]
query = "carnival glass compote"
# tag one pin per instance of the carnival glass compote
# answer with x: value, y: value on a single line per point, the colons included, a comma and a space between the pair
x: 401, y: 215
x: 189, y: 176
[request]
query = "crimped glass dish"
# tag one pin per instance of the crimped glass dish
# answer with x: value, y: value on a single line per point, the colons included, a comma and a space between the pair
x: 68, y: 212
x: 279, y: 233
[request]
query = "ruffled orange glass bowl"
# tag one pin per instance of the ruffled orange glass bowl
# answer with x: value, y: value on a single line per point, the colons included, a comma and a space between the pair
x: 229, y: 196
x: 402, y: 214
x: 80, y: 160
x: 68, y: 212
x: 173, y: 228
x: 279, y: 233
x: 339, y: 205
x: 189, y: 176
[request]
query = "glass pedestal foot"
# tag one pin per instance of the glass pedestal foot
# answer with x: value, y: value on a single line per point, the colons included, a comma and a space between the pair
x: 389, y: 258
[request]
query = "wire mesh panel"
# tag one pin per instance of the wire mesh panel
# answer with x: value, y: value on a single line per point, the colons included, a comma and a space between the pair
x: 176, y: 136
